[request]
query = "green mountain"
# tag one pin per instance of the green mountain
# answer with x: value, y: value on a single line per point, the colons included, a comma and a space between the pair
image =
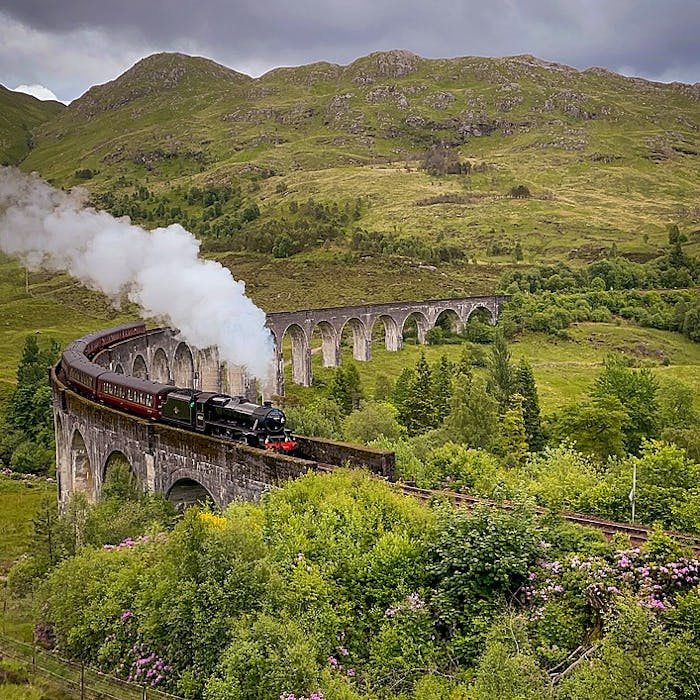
x: 19, y: 115
x: 443, y: 163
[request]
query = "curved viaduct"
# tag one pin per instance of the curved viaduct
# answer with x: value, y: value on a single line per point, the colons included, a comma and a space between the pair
x: 159, y: 355
x: 300, y: 326
x: 186, y: 466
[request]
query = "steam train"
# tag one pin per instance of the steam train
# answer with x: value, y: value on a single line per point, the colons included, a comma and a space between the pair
x: 211, y: 413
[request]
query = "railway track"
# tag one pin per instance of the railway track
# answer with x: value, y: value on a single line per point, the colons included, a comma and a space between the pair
x: 637, y: 534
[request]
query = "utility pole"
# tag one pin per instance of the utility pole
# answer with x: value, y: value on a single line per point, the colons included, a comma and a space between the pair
x: 633, y: 492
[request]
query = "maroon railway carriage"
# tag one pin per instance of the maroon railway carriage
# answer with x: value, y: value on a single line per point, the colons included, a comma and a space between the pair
x: 230, y: 417
x: 94, y: 342
x: 139, y: 396
x: 79, y: 372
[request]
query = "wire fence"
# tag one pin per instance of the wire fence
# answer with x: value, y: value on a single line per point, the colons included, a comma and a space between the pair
x: 82, y: 681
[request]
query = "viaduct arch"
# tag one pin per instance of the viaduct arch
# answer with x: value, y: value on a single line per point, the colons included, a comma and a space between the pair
x: 300, y: 327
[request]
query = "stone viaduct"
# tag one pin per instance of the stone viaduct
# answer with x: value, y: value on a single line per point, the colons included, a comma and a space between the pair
x: 183, y: 465
x: 187, y: 466
x: 362, y: 321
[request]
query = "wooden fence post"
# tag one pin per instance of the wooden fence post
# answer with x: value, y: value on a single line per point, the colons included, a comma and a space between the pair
x: 143, y: 693
x: 82, y: 680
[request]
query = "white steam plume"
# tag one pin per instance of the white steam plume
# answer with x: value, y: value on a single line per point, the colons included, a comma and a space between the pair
x: 159, y: 270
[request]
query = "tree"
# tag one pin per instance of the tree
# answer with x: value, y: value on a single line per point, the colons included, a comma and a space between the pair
x: 480, y: 558
x: 520, y: 192
x: 636, y: 391
x: 29, y: 407
x: 518, y: 252
x: 473, y: 414
x: 676, y: 405
x: 674, y: 235
x: 346, y: 388
x: 525, y: 385
x: 417, y: 412
x: 464, y: 364
x: 400, y: 391
x: 45, y: 522
x: 513, y: 438
x: 370, y: 422
x: 383, y: 388
x: 442, y: 385
x: 322, y: 418
x: 596, y: 427
x: 665, y: 478
x: 500, y: 383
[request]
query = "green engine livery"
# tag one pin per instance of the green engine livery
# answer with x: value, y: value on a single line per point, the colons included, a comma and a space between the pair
x: 227, y: 416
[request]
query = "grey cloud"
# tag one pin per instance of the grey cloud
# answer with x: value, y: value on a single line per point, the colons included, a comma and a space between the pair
x: 642, y: 37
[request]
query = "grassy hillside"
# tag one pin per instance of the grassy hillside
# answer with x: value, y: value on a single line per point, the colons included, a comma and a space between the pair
x: 20, y: 114
x: 605, y: 158
x: 332, y: 161
x: 50, y: 305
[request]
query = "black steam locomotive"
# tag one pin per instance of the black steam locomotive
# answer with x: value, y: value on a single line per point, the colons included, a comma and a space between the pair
x: 229, y: 417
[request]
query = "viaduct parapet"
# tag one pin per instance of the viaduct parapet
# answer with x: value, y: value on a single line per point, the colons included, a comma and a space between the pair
x: 362, y: 322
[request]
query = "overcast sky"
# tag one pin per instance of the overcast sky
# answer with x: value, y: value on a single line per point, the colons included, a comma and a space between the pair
x: 69, y: 45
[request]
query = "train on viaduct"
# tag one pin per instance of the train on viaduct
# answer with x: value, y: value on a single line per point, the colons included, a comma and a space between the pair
x: 187, y: 466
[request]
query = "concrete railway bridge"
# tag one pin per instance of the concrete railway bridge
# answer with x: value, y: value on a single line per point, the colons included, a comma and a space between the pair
x: 186, y: 466
x: 300, y: 327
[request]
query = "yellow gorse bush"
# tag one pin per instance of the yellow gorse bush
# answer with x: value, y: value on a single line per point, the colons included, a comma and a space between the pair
x: 213, y: 520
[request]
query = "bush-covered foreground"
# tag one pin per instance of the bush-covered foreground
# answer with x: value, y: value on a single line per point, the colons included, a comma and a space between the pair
x: 337, y: 587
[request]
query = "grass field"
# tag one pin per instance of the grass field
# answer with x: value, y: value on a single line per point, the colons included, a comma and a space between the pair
x: 48, y: 305
x: 19, y: 501
x: 564, y: 369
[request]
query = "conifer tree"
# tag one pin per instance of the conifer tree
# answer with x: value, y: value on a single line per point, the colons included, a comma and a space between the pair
x: 500, y: 383
x: 346, y: 388
x: 383, y: 388
x: 400, y: 392
x: 513, y: 439
x: 354, y: 385
x: 29, y: 408
x: 473, y: 415
x: 526, y: 387
x: 442, y: 386
x: 417, y: 413
x: 464, y: 364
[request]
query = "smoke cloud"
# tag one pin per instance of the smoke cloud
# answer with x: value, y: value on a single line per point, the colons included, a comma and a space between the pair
x: 159, y: 270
